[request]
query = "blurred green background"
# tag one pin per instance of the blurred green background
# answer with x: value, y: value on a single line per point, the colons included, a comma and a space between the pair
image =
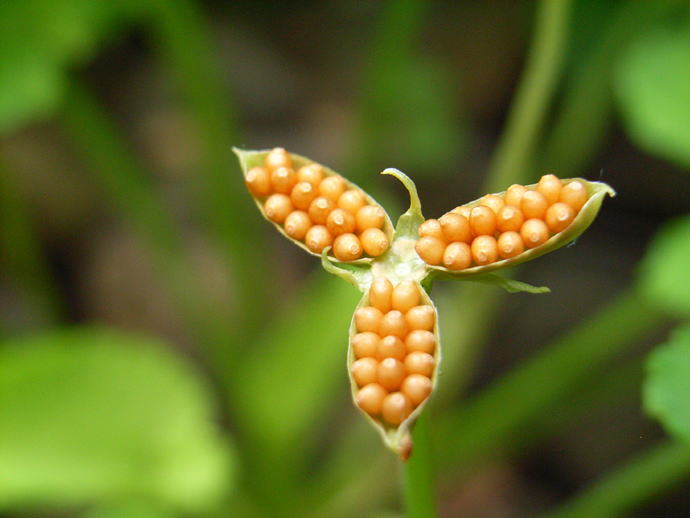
x: 165, y: 353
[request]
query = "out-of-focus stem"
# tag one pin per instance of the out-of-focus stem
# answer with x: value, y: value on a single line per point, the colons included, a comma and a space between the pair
x: 636, y: 482
x: 533, y: 96
x: 485, y: 423
x: 419, y: 489
x: 183, y: 39
x: 133, y: 194
x: 21, y: 253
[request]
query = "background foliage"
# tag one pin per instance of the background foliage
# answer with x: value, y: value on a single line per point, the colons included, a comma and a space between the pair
x: 164, y: 353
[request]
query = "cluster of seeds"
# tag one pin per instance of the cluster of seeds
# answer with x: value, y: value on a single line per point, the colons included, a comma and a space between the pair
x: 317, y: 208
x: 501, y: 227
x: 394, y: 347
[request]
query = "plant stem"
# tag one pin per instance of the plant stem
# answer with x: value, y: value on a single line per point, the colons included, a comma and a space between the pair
x: 130, y: 189
x: 532, y: 99
x: 418, y: 483
x: 22, y: 255
x: 484, y: 424
x: 183, y: 39
x: 646, y: 476
x: 585, y: 113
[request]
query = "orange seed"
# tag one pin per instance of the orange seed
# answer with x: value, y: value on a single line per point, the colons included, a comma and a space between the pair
x: 380, y: 294
x: 370, y: 216
x: 365, y: 345
x: 574, y: 194
x: 417, y: 388
x: 374, y: 241
x: 430, y: 249
x: 278, y: 157
x: 297, y: 224
x: 368, y: 318
x: 319, y: 209
x: 534, y: 232
x: 510, y: 244
x: 352, y: 200
x: 405, y: 296
x: 396, y: 408
x: 312, y: 173
x: 332, y: 187
x: 484, y: 250
x: 364, y: 371
x: 258, y: 181
x: 418, y: 362
x: 550, y: 186
x: 509, y: 218
x: 420, y: 317
x: 457, y: 256
x: 431, y: 228
x: 303, y: 193
x: 340, y: 221
x: 493, y: 202
x: 455, y: 228
x: 277, y: 207
x: 420, y: 340
x: 317, y: 238
x: 283, y: 179
x: 514, y: 195
x: 559, y: 216
x: 390, y: 373
x: 533, y: 205
x: 370, y: 398
x: 393, y: 323
x: 483, y: 221
x: 391, y: 347
x: 347, y: 247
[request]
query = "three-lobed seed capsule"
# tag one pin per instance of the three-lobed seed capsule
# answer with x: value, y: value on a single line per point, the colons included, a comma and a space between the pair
x: 318, y: 208
x: 500, y: 227
x: 394, y: 351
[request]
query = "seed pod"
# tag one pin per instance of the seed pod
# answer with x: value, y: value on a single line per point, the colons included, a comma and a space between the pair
x: 315, y: 190
x: 404, y: 378
x: 572, y: 194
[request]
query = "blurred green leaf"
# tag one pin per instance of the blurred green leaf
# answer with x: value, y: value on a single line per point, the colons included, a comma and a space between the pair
x: 88, y: 415
x: 667, y: 387
x: 653, y: 89
x: 129, y: 510
x: 664, y: 274
x: 39, y: 39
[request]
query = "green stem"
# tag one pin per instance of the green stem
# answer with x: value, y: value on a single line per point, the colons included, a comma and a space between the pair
x: 631, y: 485
x: 183, y: 39
x: 418, y: 483
x: 484, y: 424
x: 528, y: 110
x: 400, y: 23
x: 585, y: 113
x: 134, y: 195
x: 22, y: 255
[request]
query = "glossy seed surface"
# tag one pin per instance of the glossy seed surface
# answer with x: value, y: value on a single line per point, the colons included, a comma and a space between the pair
x: 393, y: 350
x: 396, y: 407
x: 501, y: 226
x: 283, y: 187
